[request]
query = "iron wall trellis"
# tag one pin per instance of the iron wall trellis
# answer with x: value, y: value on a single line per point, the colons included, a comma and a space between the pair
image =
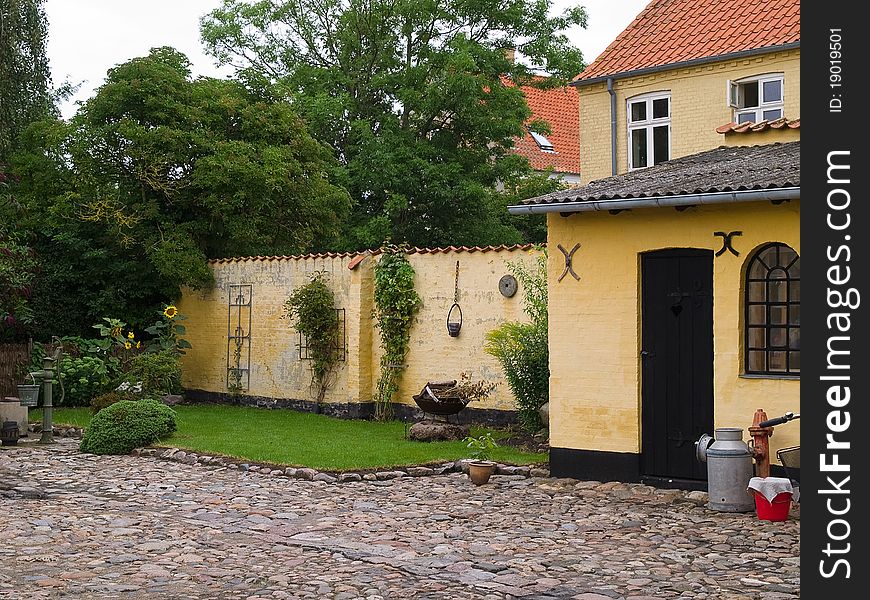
x: 239, y: 321
x: 340, y: 344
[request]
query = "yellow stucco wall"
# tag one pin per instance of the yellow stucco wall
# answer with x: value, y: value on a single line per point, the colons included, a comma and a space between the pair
x: 276, y: 369
x: 595, y: 386
x: 435, y: 355
x: 698, y: 106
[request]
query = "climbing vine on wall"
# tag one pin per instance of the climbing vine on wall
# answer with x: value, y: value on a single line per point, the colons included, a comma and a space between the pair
x: 396, y: 303
x: 311, y: 308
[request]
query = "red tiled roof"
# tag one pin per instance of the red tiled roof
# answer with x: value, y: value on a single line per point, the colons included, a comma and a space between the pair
x: 359, y: 256
x: 675, y: 31
x: 560, y: 108
x: 760, y: 126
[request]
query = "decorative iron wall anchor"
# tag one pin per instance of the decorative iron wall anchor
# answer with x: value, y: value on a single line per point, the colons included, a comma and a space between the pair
x: 569, y: 258
x: 726, y: 242
x: 454, y: 325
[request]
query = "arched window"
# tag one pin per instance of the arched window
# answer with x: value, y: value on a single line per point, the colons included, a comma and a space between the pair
x: 773, y: 312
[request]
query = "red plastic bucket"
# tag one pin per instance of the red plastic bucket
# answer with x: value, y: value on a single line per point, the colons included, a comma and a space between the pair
x: 773, y: 511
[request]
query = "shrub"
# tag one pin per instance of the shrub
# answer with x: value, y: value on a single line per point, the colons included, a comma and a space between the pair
x: 109, y: 398
x: 83, y: 378
x: 128, y: 424
x: 159, y: 372
x: 521, y: 348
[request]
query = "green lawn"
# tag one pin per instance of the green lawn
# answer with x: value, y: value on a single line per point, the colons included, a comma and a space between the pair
x: 304, y: 439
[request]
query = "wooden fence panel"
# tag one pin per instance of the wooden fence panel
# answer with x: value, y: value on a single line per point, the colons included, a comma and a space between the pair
x: 14, y: 358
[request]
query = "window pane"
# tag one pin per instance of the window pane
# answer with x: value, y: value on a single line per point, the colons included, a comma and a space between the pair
x: 772, y: 115
x: 746, y: 117
x: 777, y: 273
x: 756, y: 291
x: 776, y: 361
x: 661, y: 152
x: 757, y: 314
x: 778, y: 315
x: 757, y: 338
x: 660, y: 108
x: 770, y: 255
x: 772, y: 91
x: 794, y: 291
x: 758, y: 269
x: 776, y: 291
x: 787, y: 256
x: 750, y: 94
x: 756, y: 361
x: 778, y: 337
x: 638, y: 111
x: 794, y: 338
x: 638, y: 148
x: 794, y: 362
x: 794, y: 314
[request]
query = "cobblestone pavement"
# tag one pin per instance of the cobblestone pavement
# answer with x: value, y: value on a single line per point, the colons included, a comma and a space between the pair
x: 80, y: 526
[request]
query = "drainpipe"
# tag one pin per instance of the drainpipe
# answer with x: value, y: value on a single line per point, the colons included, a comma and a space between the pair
x: 612, y: 125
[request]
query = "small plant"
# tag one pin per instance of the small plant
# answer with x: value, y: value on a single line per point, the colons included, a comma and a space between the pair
x: 128, y: 424
x: 468, y: 390
x: 481, y: 446
x: 159, y: 372
x: 109, y: 398
x: 83, y: 378
x: 167, y: 332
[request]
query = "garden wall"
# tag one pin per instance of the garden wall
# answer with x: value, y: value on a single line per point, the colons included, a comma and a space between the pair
x: 249, y: 296
x: 14, y: 358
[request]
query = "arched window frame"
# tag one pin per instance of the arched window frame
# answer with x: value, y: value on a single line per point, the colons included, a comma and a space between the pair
x: 771, y: 298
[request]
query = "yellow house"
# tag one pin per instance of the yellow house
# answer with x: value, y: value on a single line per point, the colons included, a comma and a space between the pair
x: 688, y: 76
x: 674, y: 281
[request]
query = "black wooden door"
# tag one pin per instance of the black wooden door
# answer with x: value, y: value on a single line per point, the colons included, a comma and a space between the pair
x: 677, y: 361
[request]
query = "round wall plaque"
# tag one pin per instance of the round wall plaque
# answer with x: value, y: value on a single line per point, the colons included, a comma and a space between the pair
x: 507, y: 285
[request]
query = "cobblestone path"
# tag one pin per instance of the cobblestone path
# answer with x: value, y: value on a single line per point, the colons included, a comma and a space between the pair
x: 80, y: 526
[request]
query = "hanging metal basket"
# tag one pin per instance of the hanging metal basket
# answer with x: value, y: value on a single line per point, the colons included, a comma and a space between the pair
x: 453, y: 326
x: 28, y: 394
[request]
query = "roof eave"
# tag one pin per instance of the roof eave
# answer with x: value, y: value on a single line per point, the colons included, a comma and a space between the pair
x: 772, y: 195
x: 687, y: 63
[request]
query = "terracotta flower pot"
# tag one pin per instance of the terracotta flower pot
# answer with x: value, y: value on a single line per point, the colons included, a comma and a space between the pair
x: 480, y: 471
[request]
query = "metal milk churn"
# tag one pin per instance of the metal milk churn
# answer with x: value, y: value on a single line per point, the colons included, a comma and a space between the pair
x: 729, y: 469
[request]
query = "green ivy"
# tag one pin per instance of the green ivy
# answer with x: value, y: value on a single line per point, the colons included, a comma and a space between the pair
x: 311, y: 307
x: 396, y: 303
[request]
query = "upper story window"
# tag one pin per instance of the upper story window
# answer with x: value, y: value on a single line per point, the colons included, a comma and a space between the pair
x: 757, y: 99
x: 649, y: 130
x: 773, y: 311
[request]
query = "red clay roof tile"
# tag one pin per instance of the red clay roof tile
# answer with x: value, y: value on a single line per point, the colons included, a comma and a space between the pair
x: 560, y: 108
x: 676, y: 31
x: 760, y: 126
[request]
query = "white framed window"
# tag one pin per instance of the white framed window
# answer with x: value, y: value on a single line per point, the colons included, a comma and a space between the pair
x: 756, y: 99
x: 544, y: 144
x: 649, y: 129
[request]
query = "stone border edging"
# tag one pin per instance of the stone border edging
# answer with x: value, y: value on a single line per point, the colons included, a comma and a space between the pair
x: 308, y: 474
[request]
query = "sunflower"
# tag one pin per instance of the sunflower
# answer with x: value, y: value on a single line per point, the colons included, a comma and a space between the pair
x: 130, y: 335
x: 138, y: 345
x: 127, y: 345
x: 170, y: 311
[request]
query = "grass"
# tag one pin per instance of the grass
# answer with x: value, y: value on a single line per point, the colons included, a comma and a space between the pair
x: 287, y: 437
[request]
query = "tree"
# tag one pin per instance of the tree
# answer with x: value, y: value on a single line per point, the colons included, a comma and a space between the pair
x: 409, y: 94
x: 25, y: 79
x: 159, y: 172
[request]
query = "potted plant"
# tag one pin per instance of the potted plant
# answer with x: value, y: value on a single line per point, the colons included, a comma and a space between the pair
x: 481, y: 468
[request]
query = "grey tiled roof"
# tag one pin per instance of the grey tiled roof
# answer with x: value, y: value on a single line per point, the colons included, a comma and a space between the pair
x: 725, y: 169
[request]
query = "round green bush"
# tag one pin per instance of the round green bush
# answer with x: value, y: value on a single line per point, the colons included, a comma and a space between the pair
x: 128, y: 424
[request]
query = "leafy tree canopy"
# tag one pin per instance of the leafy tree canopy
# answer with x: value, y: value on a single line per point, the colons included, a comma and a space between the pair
x: 25, y: 79
x: 409, y: 94
x: 159, y: 172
